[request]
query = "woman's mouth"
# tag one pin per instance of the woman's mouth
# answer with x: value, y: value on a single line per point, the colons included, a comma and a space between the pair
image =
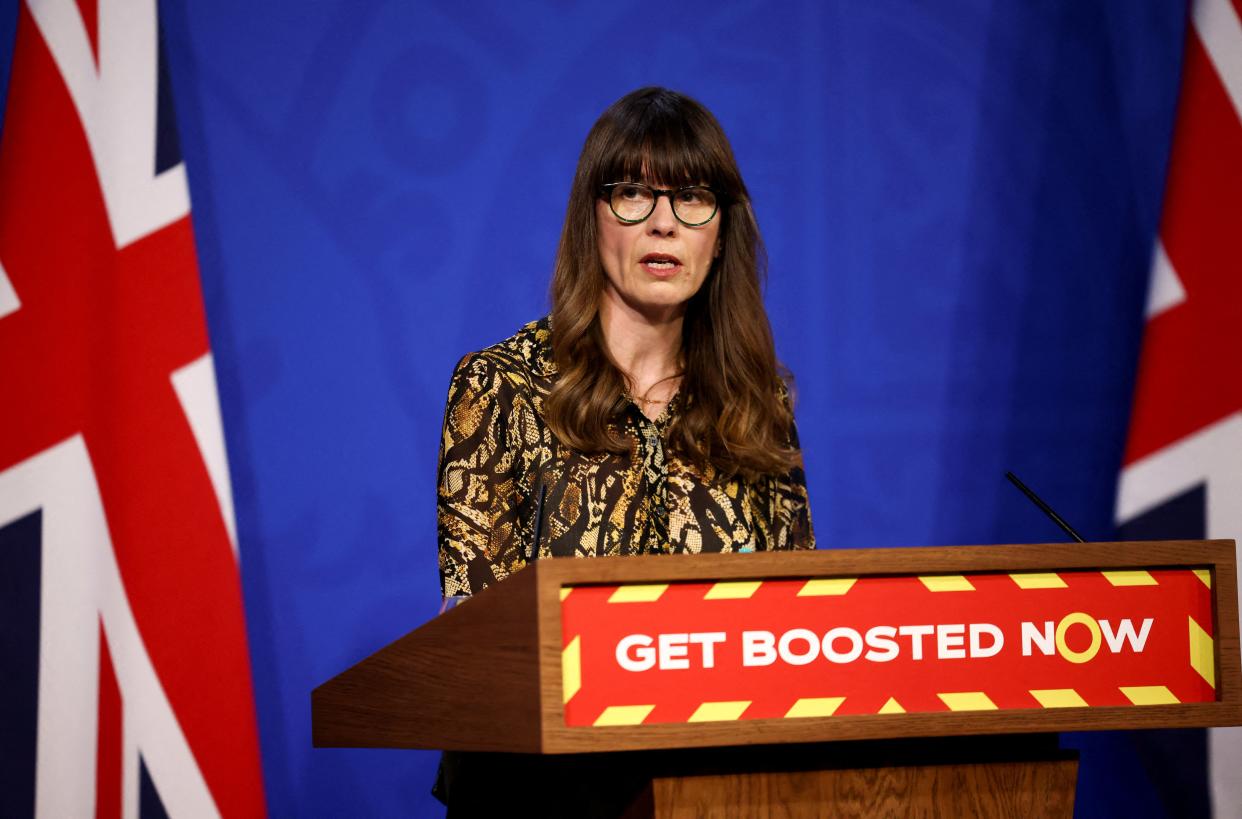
x: 662, y: 265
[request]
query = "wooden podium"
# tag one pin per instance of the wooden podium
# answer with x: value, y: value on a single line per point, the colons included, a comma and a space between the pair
x: 927, y: 681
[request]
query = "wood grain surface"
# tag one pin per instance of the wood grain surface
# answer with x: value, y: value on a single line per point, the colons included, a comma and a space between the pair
x: 467, y: 680
x: 983, y: 789
x: 957, y: 776
x: 999, y: 789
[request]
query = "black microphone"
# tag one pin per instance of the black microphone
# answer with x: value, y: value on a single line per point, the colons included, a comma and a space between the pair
x: 533, y: 554
x: 1045, y: 508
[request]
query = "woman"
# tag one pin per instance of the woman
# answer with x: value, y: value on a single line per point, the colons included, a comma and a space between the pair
x: 647, y: 410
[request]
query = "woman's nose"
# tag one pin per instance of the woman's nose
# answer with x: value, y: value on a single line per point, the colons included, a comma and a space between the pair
x: 662, y: 220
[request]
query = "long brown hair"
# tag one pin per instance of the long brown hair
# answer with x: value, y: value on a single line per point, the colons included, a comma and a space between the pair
x: 734, y: 415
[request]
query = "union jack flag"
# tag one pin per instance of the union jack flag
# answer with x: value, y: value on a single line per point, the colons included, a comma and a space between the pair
x: 1182, y: 476
x: 124, y: 675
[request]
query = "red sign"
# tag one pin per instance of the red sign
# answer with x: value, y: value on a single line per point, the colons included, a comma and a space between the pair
x: 691, y: 652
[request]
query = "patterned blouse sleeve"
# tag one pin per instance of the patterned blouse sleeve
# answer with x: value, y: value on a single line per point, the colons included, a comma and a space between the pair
x: 793, y: 513
x: 481, y: 486
x: 797, y: 508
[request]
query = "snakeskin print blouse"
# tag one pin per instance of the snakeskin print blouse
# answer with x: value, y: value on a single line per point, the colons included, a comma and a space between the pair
x: 497, y: 453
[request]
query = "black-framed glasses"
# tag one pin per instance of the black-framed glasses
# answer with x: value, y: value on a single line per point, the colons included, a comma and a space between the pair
x: 633, y: 202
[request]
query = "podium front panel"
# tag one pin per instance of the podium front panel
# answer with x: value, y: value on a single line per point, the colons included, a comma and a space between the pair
x: 835, y: 646
x: 716, y: 650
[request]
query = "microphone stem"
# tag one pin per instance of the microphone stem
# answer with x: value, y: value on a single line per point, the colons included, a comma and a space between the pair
x: 1045, y: 508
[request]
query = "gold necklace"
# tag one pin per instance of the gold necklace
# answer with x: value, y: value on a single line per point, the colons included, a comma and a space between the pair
x: 644, y: 401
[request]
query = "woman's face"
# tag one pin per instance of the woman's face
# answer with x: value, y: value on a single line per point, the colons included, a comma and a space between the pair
x: 655, y: 266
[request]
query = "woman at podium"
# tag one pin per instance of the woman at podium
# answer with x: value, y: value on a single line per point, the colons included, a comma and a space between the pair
x: 647, y: 413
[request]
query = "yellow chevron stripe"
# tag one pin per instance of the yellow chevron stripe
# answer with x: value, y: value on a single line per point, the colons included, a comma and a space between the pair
x: 815, y: 707
x: 719, y: 711
x: 1038, y: 580
x: 734, y: 590
x: 967, y: 701
x: 827, y: 586
x: 638, y: 593
x: 565, y: 590
x: 624, y: 715
x: 1058, y: 698
x: 1149, y: 695
x: 946, y: 583
x: 1137, y: 577
x: 1204, y: 575
x: 891, y: 707
x: 1202, y: 656
x: 571, y: 668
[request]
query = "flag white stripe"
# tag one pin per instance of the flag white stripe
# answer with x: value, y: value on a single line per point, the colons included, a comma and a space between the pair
x: 195, y: 384
x: 1208, y: 457
x: 1221, y: 33
x: 118, y: 106
x: 1166, y: 289
x: 59, y: 480
x: 9, y: 302
x: 130, y: 795
x: 1225, y: 762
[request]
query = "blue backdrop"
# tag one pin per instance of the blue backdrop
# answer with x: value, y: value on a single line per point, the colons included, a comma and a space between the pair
x: 959, y: 200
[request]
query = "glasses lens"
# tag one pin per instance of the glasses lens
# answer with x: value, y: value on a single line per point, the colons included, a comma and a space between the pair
x: 632, y: 202
x: 694, y: 206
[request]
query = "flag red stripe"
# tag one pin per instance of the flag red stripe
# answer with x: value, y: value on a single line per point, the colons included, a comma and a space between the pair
x: 108, y: 756
x: 89, y: 9
x: 1188, y: 348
